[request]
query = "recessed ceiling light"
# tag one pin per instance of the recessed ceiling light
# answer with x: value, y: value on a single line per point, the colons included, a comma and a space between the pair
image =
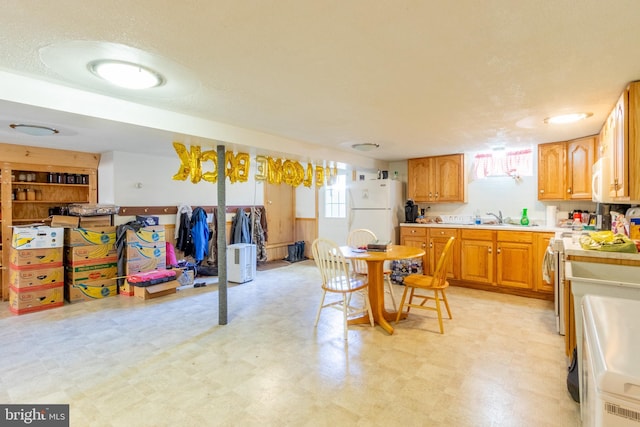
x: 126, y: 74
x: 567, y: 118
x: 33, y: 130
x: 366, y: 146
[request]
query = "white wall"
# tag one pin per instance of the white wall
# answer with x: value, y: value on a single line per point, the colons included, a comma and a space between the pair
x: 128, y: 179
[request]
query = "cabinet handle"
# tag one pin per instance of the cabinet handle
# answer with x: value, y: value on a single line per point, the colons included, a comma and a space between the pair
x: 413, y: 231
x: 424, y: 246
x: 498, y: 250
x: 569, y: 190
x: 430, y: 195
x: 489, y: 249
x: 431, y: 244
x: 541, y: 191
x: 437, y: 194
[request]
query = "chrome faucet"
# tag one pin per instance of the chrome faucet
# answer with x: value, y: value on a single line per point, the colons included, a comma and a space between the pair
x: 498, y: 217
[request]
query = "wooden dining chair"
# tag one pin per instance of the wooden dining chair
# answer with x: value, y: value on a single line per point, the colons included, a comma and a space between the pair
x: 361, y: 237
x: 429, y: 288
x: 338, y: 279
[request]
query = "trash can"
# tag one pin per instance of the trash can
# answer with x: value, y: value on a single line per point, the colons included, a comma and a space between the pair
x: 621, y: 281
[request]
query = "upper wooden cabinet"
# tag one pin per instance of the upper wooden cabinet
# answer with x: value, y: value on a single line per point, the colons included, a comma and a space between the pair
x: 437, y: 179
x: 619, y: 149
x: 565, y: 168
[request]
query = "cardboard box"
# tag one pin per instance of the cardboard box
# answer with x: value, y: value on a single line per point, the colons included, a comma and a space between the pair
x: 155, y: 291
x: 34, y: 277
x: 38, y: 298
x: 91, y: 254
x: 90, y: 290
x: 148, y: 220
x: 126, y: 289
x: 90, y: 272
x: 159, y: 290
x: 63, y: 221
x: 96, y: 221
x: 29, y: 257
x: 37, y: 237
x: 135, y: 251
x: 89, y: 236
x: 142, y: 264
x: 147, y: 235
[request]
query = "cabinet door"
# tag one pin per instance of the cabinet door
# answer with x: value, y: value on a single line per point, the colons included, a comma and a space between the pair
x: 449, y: 178
x: 580, y: 159
x: 551, y: 171
x: 617, y: 124
x: 477, y: 261
x: 419, y: 180
x: 514, y: 265
x: 541, y: 243
x: 279, y: 208
x: 438, y: 238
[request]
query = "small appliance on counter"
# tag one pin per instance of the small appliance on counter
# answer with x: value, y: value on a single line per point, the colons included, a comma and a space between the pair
x: 410, y: 212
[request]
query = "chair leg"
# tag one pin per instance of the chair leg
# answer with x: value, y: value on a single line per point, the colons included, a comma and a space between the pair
x: 345, y: 307
x: 368, y: 305
x: 324, y: 294
x: 446, y: 303
x: 439, y: 311
x: 387, y: 279
x: 404, y: 296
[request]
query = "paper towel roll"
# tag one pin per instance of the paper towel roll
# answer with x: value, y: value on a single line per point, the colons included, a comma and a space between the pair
x: 552, y: 213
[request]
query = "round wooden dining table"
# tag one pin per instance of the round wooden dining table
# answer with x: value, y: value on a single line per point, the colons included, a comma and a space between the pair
x: 375, y: 267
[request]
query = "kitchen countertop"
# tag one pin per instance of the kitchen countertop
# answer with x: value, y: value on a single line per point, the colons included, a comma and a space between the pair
x: 505, y: 227
x: 575, y: 249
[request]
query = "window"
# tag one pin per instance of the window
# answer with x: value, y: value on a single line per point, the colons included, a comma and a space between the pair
x: 335, y: 202
x: 503, y: 163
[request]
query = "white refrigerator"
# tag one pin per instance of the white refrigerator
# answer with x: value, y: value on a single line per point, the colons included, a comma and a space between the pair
x: 377, y: 205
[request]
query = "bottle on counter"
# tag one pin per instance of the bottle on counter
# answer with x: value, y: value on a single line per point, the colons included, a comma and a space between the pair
x: 576, y: 227
x: 524, y: 220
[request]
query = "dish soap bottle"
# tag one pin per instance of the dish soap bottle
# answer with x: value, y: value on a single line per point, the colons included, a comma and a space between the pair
x: 525, y: 219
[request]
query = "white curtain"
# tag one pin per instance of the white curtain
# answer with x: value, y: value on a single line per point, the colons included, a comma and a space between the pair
x: 503, y: 163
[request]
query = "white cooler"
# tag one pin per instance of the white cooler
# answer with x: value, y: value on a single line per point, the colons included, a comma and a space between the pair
x: 610, y: 395
x: 241, y: 262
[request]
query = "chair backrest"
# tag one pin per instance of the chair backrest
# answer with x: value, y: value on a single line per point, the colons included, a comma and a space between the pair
x: 334, y: 270
x: 357, y: 238
x: 440, y: 272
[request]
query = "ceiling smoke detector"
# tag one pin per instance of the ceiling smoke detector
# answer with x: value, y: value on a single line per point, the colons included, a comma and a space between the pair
x: 33, y: 130
x: 366, y: 146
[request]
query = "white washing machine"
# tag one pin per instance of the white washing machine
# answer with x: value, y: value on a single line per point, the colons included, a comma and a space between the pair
x: 610, y: 396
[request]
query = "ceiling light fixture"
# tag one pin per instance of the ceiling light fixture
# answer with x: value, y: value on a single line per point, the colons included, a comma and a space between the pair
x: 567, y: 118
x: 366, y: 146
x: 33, y: 130
x: 126, y: 74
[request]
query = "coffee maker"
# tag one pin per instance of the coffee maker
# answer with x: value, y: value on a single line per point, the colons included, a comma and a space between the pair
x: 410, y: 211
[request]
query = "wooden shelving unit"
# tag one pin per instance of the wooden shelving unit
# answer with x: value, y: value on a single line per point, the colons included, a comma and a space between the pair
x: 39, y: 163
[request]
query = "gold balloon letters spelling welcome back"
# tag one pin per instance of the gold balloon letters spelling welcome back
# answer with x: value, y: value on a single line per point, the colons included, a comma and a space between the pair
x: 274, y: 171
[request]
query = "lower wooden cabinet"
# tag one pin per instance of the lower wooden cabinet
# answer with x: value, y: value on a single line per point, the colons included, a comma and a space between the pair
x: 477, y: 248
x: 514, y: 259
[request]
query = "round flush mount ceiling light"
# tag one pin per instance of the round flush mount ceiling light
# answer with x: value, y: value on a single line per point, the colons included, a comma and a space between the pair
x: 126, y: 74
x: 84, y: 64
x: 33, y: 130
x: 567, y: 118
x: 365, y: 146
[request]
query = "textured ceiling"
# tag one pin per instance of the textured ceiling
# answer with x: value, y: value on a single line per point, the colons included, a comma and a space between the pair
x: 313, y: 77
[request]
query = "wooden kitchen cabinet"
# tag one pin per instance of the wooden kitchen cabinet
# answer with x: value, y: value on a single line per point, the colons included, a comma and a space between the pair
x: 565, y: 169
x: 438, y: 238
x: 540, y: 243
x: 619, y: 148
x: 514, y: 256
x: 477, y: 256
x: 436, y: 179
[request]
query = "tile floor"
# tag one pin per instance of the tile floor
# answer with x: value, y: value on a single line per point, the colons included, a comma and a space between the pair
x: 166, y: 362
